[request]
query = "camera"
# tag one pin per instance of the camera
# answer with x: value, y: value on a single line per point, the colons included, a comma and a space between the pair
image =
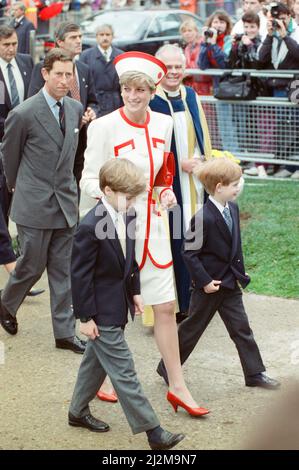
x: 274, y: 10
x: 238, y: 37
x: 209, y: 33
x: 275, y: 24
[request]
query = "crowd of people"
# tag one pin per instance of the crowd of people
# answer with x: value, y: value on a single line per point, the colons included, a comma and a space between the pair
x: 265, y: 37
x: 163, y: 236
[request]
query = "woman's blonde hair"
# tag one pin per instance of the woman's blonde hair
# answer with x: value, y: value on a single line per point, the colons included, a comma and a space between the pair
x: 122, y: 176
x: 218, y: 170
x: 137, y: 79
x: 188, y: 24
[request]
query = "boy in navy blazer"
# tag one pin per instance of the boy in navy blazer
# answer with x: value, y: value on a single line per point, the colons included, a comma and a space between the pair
x: 213, y: 255
x: 105, y: 285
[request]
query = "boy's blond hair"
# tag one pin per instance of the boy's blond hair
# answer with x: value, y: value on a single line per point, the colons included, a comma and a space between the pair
x: 122, y: 176
x: 137, y: 79
x: 218, y: 170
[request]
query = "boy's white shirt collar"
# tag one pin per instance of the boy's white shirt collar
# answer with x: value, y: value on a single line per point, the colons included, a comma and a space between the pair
x: 219, y: 206
x: 112, y: 212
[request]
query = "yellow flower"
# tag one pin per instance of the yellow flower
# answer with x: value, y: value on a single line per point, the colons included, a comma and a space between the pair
x: 224, y: 153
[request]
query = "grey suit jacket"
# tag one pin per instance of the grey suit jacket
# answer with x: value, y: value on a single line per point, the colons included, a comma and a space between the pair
x: 38, y: 163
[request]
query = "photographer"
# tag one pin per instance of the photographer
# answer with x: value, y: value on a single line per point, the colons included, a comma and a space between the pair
x: 280, y: 50
x: 244, y: 51
x: 216, y: 41
x: 213, y: 54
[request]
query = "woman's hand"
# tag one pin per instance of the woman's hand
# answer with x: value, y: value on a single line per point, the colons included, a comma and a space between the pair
x: 168, y: 199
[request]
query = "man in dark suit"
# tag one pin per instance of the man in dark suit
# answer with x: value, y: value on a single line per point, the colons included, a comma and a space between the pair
x: 22, y: 27
x: 105, y: 285
x: 15, y: 73
x: 68, y: 37
x: 39, y: 146
x: 213, y: 255
x: 100, y: 61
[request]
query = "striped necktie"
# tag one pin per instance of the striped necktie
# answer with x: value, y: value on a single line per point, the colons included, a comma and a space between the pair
x: 228, y: 218
x: 74, y: 88
x: 61, y: 117
x: 15, y: 99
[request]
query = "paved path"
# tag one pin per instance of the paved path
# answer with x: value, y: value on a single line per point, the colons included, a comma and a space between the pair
x: 36, y: 382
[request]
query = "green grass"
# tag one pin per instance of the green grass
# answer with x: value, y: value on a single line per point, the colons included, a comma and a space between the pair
x: 270, y: 235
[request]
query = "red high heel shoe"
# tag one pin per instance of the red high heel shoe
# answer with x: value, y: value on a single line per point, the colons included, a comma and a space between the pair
x: 175, y: 402
x: 110, y: 397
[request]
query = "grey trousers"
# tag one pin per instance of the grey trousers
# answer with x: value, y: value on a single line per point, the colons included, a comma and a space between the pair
x: 44, y: 249
x: 109, y: 354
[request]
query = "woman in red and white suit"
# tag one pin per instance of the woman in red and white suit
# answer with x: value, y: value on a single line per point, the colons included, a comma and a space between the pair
x: 143, y: 137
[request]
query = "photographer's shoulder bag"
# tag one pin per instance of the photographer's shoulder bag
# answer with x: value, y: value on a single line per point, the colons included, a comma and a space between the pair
x: 236, y: 87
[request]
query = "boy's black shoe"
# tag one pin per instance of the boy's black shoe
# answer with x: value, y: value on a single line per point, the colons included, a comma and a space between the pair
x: 89, y: 422
x: 261, y: 380
x: 8, y: 322
x: 166, y: 440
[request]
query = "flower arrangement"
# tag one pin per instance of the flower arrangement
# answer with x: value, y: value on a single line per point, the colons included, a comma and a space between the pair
x: 224, y: 153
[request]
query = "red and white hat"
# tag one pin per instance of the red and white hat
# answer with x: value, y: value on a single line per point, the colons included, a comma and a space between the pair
x: 140, y: 62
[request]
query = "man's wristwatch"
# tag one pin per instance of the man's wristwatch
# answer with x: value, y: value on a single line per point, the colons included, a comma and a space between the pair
x: 85, y: 319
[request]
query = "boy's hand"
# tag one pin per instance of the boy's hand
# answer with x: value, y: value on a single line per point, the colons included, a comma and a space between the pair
x: 89, y: 329
x: 168, y: 199
x: 138, y: 302
x: 212, y: 287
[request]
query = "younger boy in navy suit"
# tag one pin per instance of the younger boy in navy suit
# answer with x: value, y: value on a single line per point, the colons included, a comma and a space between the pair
x: 105, y: 285
x: 213, y: 255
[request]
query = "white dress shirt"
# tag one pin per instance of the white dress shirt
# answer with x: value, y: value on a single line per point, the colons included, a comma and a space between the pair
x: 52, y: 103
x: 17, y: 75
x: 119, y: 223
x: 219, y: 206
x: 106, y: 53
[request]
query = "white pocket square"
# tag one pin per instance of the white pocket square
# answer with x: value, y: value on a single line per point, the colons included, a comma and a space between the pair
x: 76, y: 130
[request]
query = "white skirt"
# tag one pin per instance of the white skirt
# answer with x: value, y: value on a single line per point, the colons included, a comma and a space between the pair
x: 157, y: 285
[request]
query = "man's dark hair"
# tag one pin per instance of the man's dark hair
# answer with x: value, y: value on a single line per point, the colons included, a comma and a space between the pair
x: 63, y: 28
x: 251, y: 17
x: 6, y: 31
x: 56, y: 55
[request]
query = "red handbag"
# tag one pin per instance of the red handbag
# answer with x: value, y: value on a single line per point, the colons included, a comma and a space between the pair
x: 167, y: 171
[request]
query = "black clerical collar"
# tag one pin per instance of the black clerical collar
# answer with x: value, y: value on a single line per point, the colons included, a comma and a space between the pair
x: 173, y: 95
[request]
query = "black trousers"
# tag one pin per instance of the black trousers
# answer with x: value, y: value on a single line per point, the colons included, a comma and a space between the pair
x: 6, y: 252
x: 229, y: 304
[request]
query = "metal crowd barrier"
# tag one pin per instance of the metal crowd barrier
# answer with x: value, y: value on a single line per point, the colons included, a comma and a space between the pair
x: 263, y: 130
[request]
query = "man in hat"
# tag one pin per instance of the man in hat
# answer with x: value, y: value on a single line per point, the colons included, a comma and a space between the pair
x: 190, y: 144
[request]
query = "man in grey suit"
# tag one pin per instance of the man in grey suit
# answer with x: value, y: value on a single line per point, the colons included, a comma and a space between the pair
x: 39, y: 146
